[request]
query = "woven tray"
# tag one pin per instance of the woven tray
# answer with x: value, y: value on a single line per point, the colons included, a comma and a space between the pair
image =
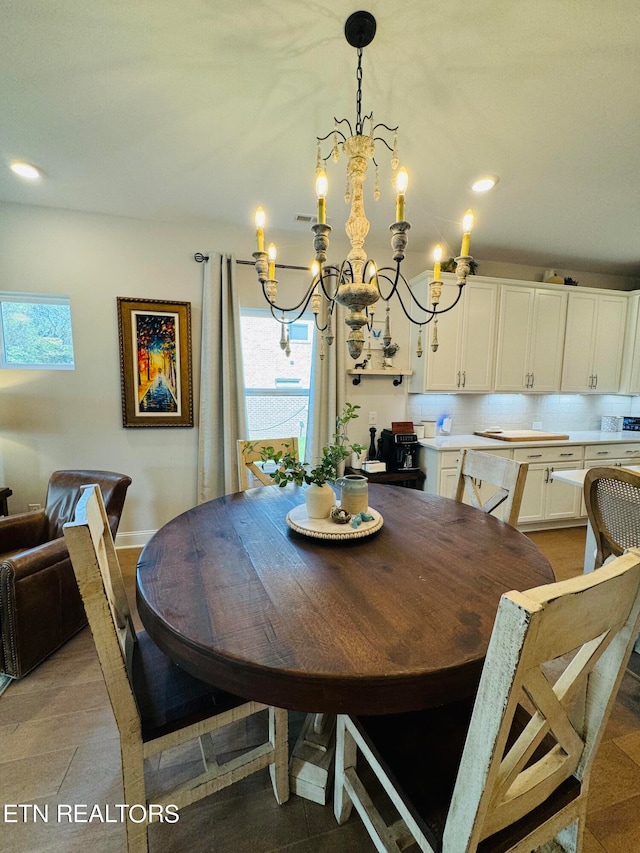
x: 324, y: 528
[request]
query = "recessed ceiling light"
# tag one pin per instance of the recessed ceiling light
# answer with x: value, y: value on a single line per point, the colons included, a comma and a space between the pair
x: 25, y: 170
x: 486, y: 182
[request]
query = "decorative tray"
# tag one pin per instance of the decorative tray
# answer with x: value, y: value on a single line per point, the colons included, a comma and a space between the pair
x: 324, y: 528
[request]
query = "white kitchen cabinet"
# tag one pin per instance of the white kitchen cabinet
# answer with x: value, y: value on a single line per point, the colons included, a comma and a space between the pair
x: 465, y: 358
x: 545, y: 499
x: 630, y: 382
x: 531, y: 327
x: 594, y: 342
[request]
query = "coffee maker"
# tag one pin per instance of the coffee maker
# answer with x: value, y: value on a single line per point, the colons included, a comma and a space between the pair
x: 399, y: 450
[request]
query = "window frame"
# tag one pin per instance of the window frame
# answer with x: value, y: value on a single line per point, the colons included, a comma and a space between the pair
x: 38, y: 299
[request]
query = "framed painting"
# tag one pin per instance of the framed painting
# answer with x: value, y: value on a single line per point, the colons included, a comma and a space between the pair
x: 155, y: 363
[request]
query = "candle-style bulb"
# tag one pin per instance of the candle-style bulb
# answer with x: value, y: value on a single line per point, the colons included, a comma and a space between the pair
x: 402, y: 182
x: 272, y: 253
x: 315, y: 269
x: 437, y: 257
x: 259, y: 220
x: 321, y: 191
x: 467, y: 225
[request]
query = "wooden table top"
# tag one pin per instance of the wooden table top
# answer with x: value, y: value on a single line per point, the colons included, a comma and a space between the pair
x: 394, y: 622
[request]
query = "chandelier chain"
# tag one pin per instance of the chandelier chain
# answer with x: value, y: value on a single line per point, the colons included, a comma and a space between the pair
x: 359, y: 95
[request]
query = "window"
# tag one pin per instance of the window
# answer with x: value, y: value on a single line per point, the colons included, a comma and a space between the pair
x: 35, y: 331
x: 276, y: 385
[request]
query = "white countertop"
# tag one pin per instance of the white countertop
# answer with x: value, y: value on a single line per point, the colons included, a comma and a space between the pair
x: 456, y: 442
x: 575, y: 477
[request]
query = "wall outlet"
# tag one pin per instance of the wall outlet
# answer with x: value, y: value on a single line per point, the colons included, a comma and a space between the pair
x: 537, y: 425
x: 33, y: 507
x: 373, y: 418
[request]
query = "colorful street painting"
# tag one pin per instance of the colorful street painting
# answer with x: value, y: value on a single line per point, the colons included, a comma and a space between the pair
x: 156, y: 349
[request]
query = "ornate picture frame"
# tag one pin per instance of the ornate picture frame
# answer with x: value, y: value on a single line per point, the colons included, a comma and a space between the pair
x: 155, y: 362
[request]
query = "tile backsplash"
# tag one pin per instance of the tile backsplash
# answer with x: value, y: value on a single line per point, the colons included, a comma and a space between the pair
x: 553, y: 412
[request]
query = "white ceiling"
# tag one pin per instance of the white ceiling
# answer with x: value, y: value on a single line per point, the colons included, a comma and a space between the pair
x: 203, y: 109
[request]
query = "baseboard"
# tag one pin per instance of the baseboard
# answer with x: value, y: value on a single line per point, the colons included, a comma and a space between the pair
x: 135, y: 539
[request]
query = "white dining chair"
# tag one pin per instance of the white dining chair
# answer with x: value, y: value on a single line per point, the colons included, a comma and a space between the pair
x: 612, y: 499
x: 508, y: 772
x: 250, y: 468
x: 156, y: 703
x: 507, y: 476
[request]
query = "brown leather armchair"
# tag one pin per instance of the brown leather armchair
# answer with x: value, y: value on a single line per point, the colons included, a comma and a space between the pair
x: 40, y: 605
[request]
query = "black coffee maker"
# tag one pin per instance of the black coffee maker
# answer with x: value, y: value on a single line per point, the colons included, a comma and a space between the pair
x: 399, y: 450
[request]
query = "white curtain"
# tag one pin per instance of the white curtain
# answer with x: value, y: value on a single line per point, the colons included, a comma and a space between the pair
x: 327, y: 396
x: 222, y: 411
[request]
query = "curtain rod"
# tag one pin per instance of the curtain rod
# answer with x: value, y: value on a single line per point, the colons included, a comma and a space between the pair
x: 199, y: 258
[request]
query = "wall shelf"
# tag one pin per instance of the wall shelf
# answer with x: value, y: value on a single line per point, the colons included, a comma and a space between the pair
x: 387, y: 371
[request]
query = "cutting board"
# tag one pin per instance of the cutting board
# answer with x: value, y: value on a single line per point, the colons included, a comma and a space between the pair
x: 521, y: 435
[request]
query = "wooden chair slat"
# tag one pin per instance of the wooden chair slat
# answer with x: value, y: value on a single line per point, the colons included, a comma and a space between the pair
x: 507, y: 476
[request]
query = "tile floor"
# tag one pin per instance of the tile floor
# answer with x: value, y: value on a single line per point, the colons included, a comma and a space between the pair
x: 60, y: 746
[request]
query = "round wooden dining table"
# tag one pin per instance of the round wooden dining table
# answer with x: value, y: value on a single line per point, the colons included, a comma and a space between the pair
x: 396, y: 621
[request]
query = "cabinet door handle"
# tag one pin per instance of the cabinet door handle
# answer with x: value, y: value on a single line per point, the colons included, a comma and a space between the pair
x: 532, y: 378
x: 464, y: 378
x: 567, y: 454
x: 534, y: 455
x: 591, y: 382
x: 546, y: 475
x: 458, y: 379
x: 595, y: 383
x: 602, y: 452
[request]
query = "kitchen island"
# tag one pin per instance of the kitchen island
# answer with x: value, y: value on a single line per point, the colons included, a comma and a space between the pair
x: 547, y: 502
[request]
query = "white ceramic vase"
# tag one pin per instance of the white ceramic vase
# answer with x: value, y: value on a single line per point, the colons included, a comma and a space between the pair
x: 319, y: 500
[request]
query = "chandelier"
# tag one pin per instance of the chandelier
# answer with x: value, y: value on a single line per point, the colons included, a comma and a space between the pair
x: 357, y: 283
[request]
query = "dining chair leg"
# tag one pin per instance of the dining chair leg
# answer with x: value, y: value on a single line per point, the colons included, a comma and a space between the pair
x: 346, y: 753
x: 279, y: 737
x: 134, y: 792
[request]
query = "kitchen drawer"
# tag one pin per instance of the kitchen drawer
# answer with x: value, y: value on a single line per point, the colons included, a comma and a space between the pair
x: 449, y: 458
x: 617, y: 450
x: 563, y: 453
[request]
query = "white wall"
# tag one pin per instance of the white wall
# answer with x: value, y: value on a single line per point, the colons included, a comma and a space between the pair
x: 72, y: 419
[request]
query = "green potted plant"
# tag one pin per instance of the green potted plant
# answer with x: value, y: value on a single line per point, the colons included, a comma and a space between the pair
x: 292, y: 470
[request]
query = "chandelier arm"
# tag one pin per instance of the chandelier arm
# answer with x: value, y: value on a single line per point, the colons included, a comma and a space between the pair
x: 386, y: 127
x: 434, y: 312
x: 384, y: 141
x: 338, y: 121
x: 331, y: 132
x: 321, y: 278
x: 303, y: 302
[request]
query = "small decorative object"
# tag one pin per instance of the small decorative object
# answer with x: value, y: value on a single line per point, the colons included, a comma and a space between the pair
x: 552, y: 277
x: 371, y: 453
x: 388, y: 349
x: 339, y: 515
x: 354, y: 494
x: 319, y: 496
x: 571, y: 281
x: 319, y: 499
x: 356, y: 520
